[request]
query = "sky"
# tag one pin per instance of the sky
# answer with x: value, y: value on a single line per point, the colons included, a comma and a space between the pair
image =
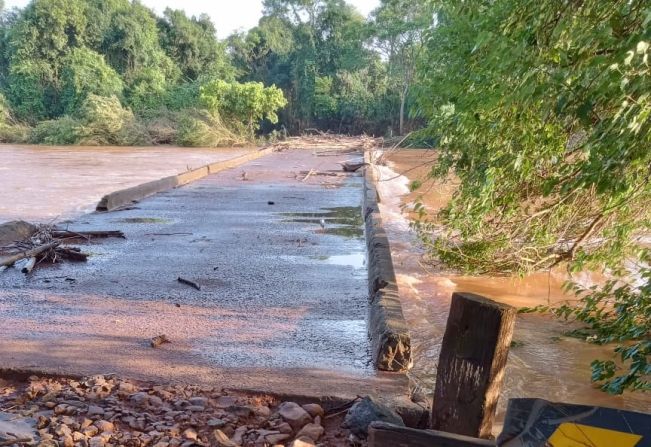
x: 227, y: 15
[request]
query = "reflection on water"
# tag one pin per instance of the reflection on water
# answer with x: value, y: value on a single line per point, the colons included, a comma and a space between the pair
x: 343, y: 221
x: 542, y: 363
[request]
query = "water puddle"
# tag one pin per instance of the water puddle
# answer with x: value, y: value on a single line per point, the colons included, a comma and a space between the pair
x: 345, y: 221
x: 354, y: 260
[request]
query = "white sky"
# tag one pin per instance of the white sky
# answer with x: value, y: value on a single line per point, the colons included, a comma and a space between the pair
x: 228, y: 15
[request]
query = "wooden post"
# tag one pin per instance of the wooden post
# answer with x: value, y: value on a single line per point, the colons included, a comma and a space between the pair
x: 471, y: 365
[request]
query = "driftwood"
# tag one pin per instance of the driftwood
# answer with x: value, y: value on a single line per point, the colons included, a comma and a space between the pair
x: 324, y: 173
x: 159, y: 340
x: 31, y: 253
x: 29, y: 265
x: 382, y: 434
x: 187, y: 282
x: 71, y: 254
x: 352, y: 167
x: 65, y: 234
x: 311, y: 171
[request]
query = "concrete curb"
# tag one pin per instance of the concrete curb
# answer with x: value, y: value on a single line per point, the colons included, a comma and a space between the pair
x: 123, y: 197
x: 390, y: 340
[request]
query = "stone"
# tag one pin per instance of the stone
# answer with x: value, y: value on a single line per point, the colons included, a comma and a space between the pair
x: 202, y: 401
x: 314, y: 410
x: 225, y: 401
x: 191, y: 434
x: 277, y: 438
x: 302, y: 442
x: 155, y: 401
x: 239, y: 433
x: 216, y: 423
x: 127, y: 387
x: 63, y: 430
x: 104, y: 426
x: 219, y: 439
x: 294, y: 414
x: 68, y: 441
x: 140, y: 398
x: 90, y: 431
x: 262, y: 411
x: 94, y: 410
x: 284, y: 428
x: 96, y: 441
x: 240, y: 411
x: 366, y: 411
x: 312, y: 431
x: 196, y: 408
x: 76, y: 436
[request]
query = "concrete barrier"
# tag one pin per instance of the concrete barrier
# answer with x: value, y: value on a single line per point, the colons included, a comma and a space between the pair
x: 390, y: 340
x: 128, y: 196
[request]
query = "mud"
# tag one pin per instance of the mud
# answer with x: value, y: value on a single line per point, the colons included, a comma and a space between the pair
x: 42, y: 183
x: 543, y: 362
x: 279, y: 308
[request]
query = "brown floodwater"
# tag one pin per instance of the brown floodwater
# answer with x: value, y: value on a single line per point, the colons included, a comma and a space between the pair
x: 543, y: 362
x: 44, y: 183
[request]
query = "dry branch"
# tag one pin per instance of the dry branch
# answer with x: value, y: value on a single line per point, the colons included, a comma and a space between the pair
x: 187, y: 282
x: 31, y: 253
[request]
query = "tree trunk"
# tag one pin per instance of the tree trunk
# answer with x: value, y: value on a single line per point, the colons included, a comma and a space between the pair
x: 403, y: 99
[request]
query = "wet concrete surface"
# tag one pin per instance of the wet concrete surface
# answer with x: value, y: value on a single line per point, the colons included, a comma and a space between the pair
x: 42, y: 183
x: 283, y: 300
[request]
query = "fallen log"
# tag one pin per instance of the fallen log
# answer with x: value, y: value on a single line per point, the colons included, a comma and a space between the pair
x: 31, y: 253
x: 159, y: 340
x: 64, y: 234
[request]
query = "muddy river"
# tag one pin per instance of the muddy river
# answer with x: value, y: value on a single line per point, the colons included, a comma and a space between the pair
x: 44, y: 183
x: 543, y: 363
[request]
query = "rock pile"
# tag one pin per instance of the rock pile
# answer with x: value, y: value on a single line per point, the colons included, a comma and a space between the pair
x: 104, y: 411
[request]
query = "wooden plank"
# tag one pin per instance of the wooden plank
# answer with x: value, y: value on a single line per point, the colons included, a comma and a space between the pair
x: 471, y: 365
x: 382, y: 434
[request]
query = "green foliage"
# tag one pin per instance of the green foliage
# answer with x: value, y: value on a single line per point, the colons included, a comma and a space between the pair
x: 542, y: 113
x: 247, y: 103
x: 200, y: 128
x: 542, y: 110
x: 85, y: 72
x: 192, y: 44
x: 99, y: 121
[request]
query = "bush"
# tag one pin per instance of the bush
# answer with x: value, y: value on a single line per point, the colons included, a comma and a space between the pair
x: 100, y: 121
x: 199, y: 128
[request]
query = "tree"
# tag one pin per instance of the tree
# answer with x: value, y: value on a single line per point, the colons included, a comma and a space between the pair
x: 247, y: 103
x: 542, y: 111
x: 398, y: 27
x: 192, y: 44
x: 85, y: 72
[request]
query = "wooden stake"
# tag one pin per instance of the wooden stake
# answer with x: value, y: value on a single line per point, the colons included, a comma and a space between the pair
x: 471, y: 365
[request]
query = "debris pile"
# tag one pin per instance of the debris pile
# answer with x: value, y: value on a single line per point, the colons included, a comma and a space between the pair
x: 104, y: 411
x: 46, y: 243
